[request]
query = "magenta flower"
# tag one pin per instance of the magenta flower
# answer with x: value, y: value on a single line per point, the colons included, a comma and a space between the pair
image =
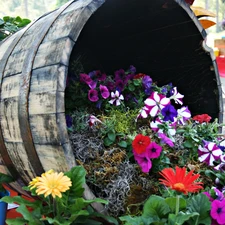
x: 144, y: 112
x: 119, y: 85
x: 169, y: 113
x: 100, y: 76
x: 209, y: 153
x: 92, y: 84
x: 84, y: 78
x: 176, y: 96
x: 156, y: 102
x: 110, y: 85
x: 165, y: 139
x: 184, y: 114
x: 153, y: 150
x: 143, y: 161
x: 104, y: 91
x: 208, y: 196
x: 93, y: 95
x: 218, y: 211
x: 116, y: 98
x: 119, y: 74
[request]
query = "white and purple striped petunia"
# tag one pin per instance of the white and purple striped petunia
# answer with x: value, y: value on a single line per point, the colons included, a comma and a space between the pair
x: 156, y: 102
x: 184, y: 114
x: 209, y: 153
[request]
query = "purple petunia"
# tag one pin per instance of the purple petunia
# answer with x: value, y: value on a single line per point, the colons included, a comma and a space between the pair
x: 93, y: 95
x: 119, y: 85
x: 84, y: 78
x: 143, y: 161
x: 119, y: 74
x: 165, y: 139
x: 104, y: 91
x: 132, y: 69
x: 169, y: 112
x: 221, y: 166
x: 209, y: 153
x: 100, y: 76
x: 153, y: 150
x: 218, y: 211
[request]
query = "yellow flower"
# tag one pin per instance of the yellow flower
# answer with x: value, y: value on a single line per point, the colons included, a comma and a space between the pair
x: 53, y: 184
x: 34, y: 181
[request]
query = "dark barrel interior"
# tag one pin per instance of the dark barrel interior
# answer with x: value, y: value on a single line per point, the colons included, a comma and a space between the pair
x: 160, y: 39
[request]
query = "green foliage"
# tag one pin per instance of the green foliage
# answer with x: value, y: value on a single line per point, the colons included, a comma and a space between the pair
x: 69, y: 209
x: 10, y: 25
x: 161, y: 211
x: 5, y: 179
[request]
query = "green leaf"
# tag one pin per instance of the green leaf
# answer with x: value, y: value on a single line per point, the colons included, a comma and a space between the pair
x: 107, y: 142
x: 109, y: 219
x: 188, y: 144
x: 16, y: 221
x: 172, y: 204
x: 200, y: 204
x: 122, y: 144
x: 137, y: 82
x: 1, y: 21
x: 180, y: 218
x: 77, y: 176
x: 139, y: 220
x: 57, y: 222
x: 156, y: 206
x: 131, y: 87
x: 112, y: 136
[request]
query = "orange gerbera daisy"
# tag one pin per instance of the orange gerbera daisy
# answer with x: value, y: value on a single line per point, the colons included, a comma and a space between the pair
x: 180, y: 181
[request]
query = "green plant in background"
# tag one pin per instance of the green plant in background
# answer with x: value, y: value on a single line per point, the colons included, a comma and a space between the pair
x: 60, y: 201
x: 5, y: 179
x: 10, y: 25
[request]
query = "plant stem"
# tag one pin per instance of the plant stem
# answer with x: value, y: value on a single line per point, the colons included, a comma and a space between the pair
x: 177, y: 204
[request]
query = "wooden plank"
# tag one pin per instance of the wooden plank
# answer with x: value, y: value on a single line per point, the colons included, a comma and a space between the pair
x: 54, y: 52
x: 10, y: 86
x: 9, y: 120
x: 44, y: 129
x: 68, y: 153
x: 52, y: 157
x: 49, y: 78
x: 20, y: 159
x: 46, y: 102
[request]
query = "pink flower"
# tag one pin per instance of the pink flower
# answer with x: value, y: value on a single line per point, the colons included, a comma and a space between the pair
x: 104, y: 91
x: 156, y: 102
x: 165, y: 139
x: 93, y: 120
x: 218, y: 211
x: 209, y: 153
x: 93, y: 95
x: 143, y: 161
x: 153, y: 150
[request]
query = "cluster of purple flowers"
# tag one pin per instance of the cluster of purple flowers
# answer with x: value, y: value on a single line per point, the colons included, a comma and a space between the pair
x: 165, y: 116
x: 217, y: 212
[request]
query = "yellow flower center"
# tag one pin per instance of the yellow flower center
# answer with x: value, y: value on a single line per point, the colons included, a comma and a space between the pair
x: 179, y: 187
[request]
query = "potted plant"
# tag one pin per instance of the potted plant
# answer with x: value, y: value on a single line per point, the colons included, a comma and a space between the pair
x: 3, y: 192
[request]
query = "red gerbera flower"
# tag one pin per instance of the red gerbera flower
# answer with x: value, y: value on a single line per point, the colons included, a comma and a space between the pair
x: 180, y: 181
x: 202, y: 118
x: 139, y: 75
x: 140, y: 143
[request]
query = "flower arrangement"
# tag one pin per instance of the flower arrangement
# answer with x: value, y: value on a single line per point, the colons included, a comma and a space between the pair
x: 125, y: 129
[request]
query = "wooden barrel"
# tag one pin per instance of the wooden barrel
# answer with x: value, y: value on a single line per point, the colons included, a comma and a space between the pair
x: 162, y: 38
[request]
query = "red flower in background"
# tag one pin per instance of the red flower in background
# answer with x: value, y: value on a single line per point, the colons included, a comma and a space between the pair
x: 202, y: 118
x: 180, y: 181
x: 190, y: 2
x: 140, y: 143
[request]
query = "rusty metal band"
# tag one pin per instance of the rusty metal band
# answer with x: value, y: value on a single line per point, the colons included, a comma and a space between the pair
x: 3, y: 150
x: 24, y: 92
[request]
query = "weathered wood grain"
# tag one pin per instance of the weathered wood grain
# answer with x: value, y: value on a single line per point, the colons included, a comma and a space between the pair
x: 49, y: 78
x: 55, y: 52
